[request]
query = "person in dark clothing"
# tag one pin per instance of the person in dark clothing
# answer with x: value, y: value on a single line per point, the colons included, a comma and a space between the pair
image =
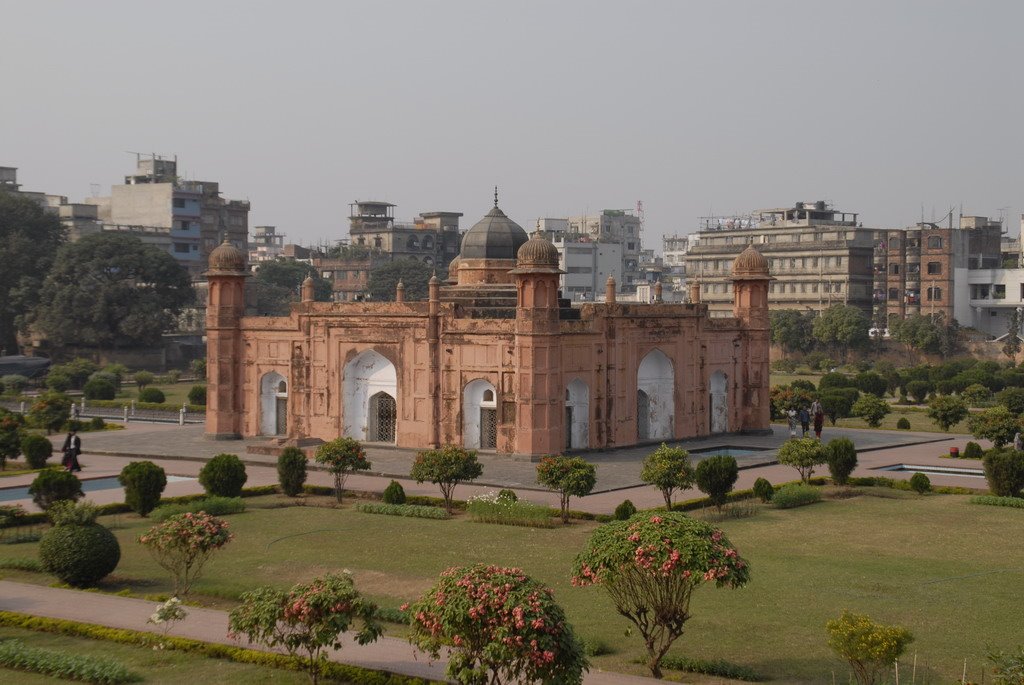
x: 805, y: 421
x: 819, y: 419
x: 72, y: 448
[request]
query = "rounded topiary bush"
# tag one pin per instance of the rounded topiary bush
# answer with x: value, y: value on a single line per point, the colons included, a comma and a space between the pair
x: 763, y: 490
x: 197, y: 395
x: 903, y: 424
x: 78, y: 550
x: 394, y: 493
x: 506, y: 495
x: 841, y: 457
x: 625, y: 510
x: 920, y: 483
x: 37, y: 449
x: 99, y: 389
x: 224, y: 475
x: 291, y: 470
x: 1004, y: 471
x: 972, y: 450
x: 97, y: 423
x: 152, y: 395
x: 52, y: 486
x: 143, y: 483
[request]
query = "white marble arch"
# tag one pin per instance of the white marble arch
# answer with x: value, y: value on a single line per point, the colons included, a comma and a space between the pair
x: 719, y: 402
x: 577, y: 415
x: 365, y: 375
x: 273, y: 404
x: 479, y: 404
x: 655, y: 379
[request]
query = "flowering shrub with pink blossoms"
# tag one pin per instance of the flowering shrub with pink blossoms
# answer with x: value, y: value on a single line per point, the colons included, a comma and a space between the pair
x: 651, y: 564
x: 501, y: 627
x: 182, y: 545
x: 306, y: 620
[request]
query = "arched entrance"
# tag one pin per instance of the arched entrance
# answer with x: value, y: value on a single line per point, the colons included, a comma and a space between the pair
x: 369, y: 398
x: 719, y: 402
x: 655, y: 381
x: 577, y: 415
x: 381, y: 420
x: 479, y: 416
x: 273, y: 404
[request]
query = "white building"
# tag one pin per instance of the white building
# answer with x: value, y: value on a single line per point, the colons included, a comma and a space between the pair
x: 587, y: 265
x: 985, y: 298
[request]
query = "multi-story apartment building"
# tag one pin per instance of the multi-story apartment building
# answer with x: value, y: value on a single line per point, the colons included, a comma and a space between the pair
x: 432, y: 237
x: 917, y: 269
x: 819, y: 257
x: 77, y: 219
x: 586, y: 263
x: 266, y: 244
x: 620, y: 226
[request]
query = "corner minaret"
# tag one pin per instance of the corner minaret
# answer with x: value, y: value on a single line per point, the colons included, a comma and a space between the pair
x: 751, y: 277
x: 224, y: 311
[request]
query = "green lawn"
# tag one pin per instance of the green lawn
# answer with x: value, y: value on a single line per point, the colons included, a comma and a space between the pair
x: 776, y: 378
x: 155, y: 666
x: 919, y: 422
x: 174, y: 393
x: 948, y: 570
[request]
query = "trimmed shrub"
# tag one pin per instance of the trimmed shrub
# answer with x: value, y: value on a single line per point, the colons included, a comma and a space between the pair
x: 763, y: 490
x: 624, y: 510
x: 78, y: 550
x: 976, y: 394
x: 1015, y: 502
x: 410, y: 510
x: 716, y: 476
x: 99, y: 389
x: 143, y: 378
x: 795, y: 495
x: 58, y: 381
x: 834, y: 380
x: 197, y: 395
x: 716, y: 667
x: 154, y: 395
x: 920, y: 483
x: 1004, y: 471
x: 918, y: 390
x: 903, y: 423
x: 506, y: 495
x: 214, y: 506
x: 143, y: 483
x: 394, y: 493
x: 52, y: 486
x: 14, y: 654
x: 14, y: 383
x: 490, y: 508
x: 224, y: 475
x: 972, y: 450
x: 97, y: 423
x: 871, y: 382
x: 841, y: 457
x: 291, y: 471
x: 37, y: 450
x: 803, y: 454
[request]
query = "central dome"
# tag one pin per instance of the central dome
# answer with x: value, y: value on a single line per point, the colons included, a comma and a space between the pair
x: 493, y: 237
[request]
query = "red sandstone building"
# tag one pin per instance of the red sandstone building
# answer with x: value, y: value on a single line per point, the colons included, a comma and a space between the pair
x: 495, y: 359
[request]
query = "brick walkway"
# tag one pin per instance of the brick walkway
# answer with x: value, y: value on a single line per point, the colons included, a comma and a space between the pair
x: 209, y: 625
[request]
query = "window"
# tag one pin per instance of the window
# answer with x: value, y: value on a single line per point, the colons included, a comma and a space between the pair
x: 934, y: 268
x: 488, y: 396
x: 894, y: 269
x: 894, y: 293
x: 181, y: 248
x: 839, y: 261
x: 934, y: 294
x: 998, y: 292
x: 837, y: 287
x: 630, y: 246
x: 377, y: 241
x: 803, y: 287
x: 814, y: 262
x: 792, y: 287
x: 413, y: 243
x: 792, y: 263
x: 894, y: 244
x: 934, y: 242
x: 428, y: 242
x: 179, y: 203
x: 913, y: 268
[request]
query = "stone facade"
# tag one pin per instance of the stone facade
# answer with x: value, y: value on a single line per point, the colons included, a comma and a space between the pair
x: 494, y: 360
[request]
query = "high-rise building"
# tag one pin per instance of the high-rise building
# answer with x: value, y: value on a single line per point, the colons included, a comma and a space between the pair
x: 431, y: 238
x: 622, y: 226
x: 266, y: 244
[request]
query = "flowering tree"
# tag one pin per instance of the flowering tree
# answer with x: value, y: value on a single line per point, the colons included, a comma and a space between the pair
x: 183, y: 543
x: 668, y: 469
x: 869, y: 647
x: 569, y: 477
x: 650, y: 566
x: 342, y: 457
x: 500, y: 626
x: 305, y: 620
x: 446, y: 467
x: 167, y: 614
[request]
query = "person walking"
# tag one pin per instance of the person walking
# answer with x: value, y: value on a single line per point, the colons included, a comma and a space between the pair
x: 818, y: 412
x: 791, y: 415
x: 72, y: 448
x: 805, y: 421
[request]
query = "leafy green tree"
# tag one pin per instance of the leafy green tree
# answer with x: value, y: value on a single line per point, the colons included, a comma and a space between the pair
x: 784, y: 398
x: 569, y: 477
x: 12, y: 433
x: 976, y: 394
x: 306, y: 620
x: 446, y: 467
x: 792, y: 329
x: 112, y: 290
x: 842, y: 328
x: 342, y: 456
x: 870, y: 648
x: 650, y: 565
x: 50, y: 411
x: 143, y: 378
x: 1012, y: 345
x: 803, y: 454
x: 997, y: 424
x: 668, y: 469
x: 871, y: 382
x: 872, y: 409
x: 715, y: 476
x: 414, y: 274
x: 1012, y: 399
x: 837, y: 405
x: 918, y: 390
x: 29, y: 240
x: 927, y: 333
x: 947, y: 411
x: 279, y: 283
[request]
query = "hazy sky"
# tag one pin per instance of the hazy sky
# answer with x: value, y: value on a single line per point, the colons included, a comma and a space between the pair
x: 302, y: 107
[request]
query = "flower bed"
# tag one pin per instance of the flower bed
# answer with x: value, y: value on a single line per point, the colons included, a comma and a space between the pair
x: 411, y: 510
x: 490, y: 507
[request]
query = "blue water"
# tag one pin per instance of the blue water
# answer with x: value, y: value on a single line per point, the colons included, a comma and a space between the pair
x: 936, y: 470
x: 728, y: 451
x: 90, y: 485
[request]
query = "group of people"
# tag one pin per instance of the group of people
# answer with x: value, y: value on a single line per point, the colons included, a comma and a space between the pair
x: 804, y: 416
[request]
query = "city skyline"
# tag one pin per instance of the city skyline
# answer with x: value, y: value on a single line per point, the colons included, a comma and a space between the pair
x: 694, y: 110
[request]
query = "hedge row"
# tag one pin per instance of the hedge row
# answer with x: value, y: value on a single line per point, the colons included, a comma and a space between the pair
x: 16, y: 655
x: 717, y: 667
x: 159, y: 406
x: 332, y: 670
x: 991, y: 500
x: 411, y: 510
x: 881, y: 482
